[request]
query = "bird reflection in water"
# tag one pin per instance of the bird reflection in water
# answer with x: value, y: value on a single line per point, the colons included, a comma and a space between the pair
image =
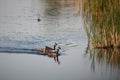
x: 56, y: 58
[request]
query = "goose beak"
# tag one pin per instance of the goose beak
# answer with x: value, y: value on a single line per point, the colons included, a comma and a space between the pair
x: 55, y: 43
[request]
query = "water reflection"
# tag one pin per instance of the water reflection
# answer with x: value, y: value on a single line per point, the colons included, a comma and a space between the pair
x: 53, y: 8
x: 27, y: 51
x: 56, y: 58
x: 104, y: 57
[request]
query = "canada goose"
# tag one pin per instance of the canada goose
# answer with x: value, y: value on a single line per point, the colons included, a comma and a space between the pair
x: 54, y: 53
x: 49, y: 49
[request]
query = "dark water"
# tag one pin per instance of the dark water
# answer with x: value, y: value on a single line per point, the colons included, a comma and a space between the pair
x: 20, y: 33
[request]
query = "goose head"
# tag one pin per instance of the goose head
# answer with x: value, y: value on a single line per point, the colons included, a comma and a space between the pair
x: 55, y: 44
x: 58, y: 50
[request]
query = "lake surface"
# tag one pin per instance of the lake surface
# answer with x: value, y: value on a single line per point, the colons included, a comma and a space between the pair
x: 21, y: 33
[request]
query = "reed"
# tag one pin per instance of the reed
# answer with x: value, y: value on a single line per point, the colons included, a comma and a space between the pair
x: 109, y: 57
x: 102, y: 22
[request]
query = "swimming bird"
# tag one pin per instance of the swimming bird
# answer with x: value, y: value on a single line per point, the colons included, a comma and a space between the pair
x: 54, y: 53
x: 38, y: 19
x: 49, y: 49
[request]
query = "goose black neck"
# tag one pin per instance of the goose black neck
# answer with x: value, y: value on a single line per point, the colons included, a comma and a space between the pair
x: 54, y: 47
x: 57, y: 51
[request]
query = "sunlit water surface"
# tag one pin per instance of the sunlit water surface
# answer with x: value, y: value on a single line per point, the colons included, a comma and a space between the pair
x: 20, y: 33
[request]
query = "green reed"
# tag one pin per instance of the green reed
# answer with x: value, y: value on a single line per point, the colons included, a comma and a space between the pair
x: 102, y: 22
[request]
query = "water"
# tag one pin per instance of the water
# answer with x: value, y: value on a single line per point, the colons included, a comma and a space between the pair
x: 21, y: 33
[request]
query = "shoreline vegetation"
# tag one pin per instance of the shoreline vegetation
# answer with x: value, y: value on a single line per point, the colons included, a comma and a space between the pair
x: 102, y: 22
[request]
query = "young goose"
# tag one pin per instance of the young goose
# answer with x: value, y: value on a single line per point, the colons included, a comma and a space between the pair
x: 49, y: 49
x: 41, y: 50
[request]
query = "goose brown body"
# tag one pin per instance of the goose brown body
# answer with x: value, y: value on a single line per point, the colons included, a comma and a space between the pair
x: 54, y: 53
x: 49, y: 49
